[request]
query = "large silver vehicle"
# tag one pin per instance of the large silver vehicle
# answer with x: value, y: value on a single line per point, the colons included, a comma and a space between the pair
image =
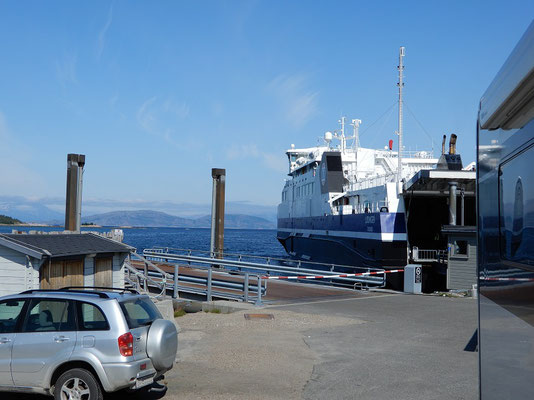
x: 506, y: 228
x: 76, y: 344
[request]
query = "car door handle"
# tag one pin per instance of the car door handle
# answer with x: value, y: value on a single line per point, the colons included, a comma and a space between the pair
x: 4, y: 340
x: 60, y: 339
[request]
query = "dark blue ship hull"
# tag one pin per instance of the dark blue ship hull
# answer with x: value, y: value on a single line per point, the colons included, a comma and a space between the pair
x: 363, y: 240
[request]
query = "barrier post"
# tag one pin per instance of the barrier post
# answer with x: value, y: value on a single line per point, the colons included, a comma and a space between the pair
x: 146, y: 276
x: 245, y: 287
x: 209, y: 284
x: 175, y: 288
x: 258, y: 300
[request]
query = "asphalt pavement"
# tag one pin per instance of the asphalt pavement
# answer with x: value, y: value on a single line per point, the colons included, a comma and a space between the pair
x: 409, y: 347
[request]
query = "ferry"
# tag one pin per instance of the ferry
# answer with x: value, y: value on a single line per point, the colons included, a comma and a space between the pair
x: 350, y: 205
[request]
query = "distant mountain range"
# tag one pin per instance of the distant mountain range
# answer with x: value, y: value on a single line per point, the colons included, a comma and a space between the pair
x: 27, y: 210
x: 50, y: 211
x: 148, y: 218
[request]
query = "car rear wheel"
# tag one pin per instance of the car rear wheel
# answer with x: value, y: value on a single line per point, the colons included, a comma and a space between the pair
x: 77, y: 384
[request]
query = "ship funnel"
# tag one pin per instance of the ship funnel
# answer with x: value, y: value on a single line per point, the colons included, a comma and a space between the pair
x: 73, y: 208
x: 452, y: 144
x: 451, y: 161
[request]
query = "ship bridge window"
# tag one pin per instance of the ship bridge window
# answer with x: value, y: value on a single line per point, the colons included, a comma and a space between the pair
x: 333, y: 163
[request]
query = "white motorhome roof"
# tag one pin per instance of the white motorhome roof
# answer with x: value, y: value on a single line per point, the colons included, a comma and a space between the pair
x: 507, y: 102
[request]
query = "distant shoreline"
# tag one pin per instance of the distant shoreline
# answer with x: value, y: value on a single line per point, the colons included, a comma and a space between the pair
x: 26, y: 225
x: 136, y: 227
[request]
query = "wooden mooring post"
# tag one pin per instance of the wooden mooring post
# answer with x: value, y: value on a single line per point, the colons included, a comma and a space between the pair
x: 217, y: 213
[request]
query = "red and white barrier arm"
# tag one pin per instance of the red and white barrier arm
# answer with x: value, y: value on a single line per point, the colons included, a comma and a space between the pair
x: 389, y: 271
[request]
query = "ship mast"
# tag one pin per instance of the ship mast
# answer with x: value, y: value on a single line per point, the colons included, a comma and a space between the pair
x: 342, y: 138
x: 356, y: 124
x: 400, y: 84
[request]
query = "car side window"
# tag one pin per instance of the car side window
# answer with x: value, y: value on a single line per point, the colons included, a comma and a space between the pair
x: 91, y: 318
x: 47, y: 315
x: 10, y: 311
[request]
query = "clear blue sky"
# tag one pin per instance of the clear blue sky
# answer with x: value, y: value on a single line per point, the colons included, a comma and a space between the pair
x: 157, y: 93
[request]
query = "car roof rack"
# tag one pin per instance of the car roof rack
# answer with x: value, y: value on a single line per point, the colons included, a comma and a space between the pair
x: 99, y: 294
x: 102, y: 288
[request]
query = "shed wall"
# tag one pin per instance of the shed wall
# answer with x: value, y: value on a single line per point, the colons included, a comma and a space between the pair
x: 118, y: 269
x: 462, y: 272
x: 17, y: 273
x: 88, y: 271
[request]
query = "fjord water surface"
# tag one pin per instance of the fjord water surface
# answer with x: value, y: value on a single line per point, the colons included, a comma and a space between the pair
x: 258, y: 242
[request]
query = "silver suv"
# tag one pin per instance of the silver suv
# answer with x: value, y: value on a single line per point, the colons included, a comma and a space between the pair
x: 75, y: 343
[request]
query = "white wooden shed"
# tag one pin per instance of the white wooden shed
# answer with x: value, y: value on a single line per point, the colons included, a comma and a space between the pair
x: 52, y: 261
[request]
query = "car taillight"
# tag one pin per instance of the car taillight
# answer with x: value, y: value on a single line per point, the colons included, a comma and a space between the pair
x: 126, y: 344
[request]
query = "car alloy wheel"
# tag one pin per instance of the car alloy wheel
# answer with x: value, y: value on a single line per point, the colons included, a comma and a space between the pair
x: 75, y: 389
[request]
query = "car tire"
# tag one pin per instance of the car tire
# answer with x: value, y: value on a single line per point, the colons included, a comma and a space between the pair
x: 78, y: 381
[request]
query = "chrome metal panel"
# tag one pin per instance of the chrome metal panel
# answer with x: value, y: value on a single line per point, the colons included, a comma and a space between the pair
x: 505, y: 204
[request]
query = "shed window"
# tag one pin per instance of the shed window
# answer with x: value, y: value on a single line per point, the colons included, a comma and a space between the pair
x: 459, y: 248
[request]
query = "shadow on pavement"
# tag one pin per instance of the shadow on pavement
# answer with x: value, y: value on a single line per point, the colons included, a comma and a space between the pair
x: 140, y: 395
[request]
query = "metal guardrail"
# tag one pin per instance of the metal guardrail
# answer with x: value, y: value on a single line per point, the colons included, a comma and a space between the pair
x: 276, y: 266
x: 251, y: 289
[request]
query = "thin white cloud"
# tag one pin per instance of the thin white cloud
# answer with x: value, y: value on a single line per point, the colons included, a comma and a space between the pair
x: 66, y: 70
x: 101, y: 42
x: 16, y: 164
x: 239, y: 151
x: 3, y: 128
x: 299, y: 103
x: 181, y: 110
x: 161, y: 118
x: 243, y: 151
x: 145, y: 115
x: 113, y: 100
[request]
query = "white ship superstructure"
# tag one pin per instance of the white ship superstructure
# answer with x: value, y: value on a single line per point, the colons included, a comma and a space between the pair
x: 346, y: 204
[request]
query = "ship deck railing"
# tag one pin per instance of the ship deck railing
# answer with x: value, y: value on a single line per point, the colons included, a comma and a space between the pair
x: 366, y: 207
x: 429, y: 255
x: 372, y: 182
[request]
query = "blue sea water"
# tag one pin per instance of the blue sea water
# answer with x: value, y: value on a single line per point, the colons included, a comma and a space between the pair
x: 258, y: 242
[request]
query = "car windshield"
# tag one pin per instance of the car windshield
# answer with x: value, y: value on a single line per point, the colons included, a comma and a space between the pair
x: 139, y: 312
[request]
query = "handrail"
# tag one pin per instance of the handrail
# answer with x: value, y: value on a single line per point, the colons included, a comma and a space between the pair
x: 163, y: 251
x: 267, y: 268
x: 247, y: 290
x: 143, y: 259
x: 135, y: 271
